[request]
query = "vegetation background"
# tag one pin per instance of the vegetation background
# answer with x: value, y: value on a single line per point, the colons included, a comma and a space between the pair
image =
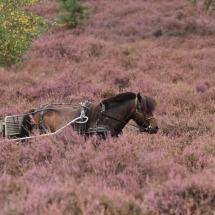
x: 163, y: 49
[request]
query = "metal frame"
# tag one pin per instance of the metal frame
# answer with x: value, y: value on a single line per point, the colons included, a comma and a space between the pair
x: 1, y: 128
x: 12, y: 125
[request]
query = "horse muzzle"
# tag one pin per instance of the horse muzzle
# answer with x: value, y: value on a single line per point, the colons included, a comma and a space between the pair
x: 150, y: 129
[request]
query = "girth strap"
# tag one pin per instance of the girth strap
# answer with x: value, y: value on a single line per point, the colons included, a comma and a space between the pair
x: 113, y: 132
x: 111, y: 129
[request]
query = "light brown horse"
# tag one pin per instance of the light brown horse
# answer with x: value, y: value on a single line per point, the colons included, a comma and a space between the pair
x: 111, y: 115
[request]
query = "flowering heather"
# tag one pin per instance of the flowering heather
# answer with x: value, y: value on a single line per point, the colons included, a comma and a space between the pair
x: 162, y: 49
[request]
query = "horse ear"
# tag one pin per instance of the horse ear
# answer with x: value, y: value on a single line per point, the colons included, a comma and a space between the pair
x: 139, y: 97
x: 142, y: 100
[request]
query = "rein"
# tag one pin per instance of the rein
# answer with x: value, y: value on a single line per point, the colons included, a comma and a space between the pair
x: 108, y: 116
x: 104, y: 114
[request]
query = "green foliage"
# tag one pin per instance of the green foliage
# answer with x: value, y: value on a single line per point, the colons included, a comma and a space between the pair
x: 76, y: 13
x: 209, y: 5
x: 18, y: 27
x: 193, y: 2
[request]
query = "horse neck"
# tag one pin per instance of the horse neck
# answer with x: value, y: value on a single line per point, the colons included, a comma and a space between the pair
x: 121, y: 114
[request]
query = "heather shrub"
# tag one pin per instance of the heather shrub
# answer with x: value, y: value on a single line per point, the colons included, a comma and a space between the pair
x: 10, y: 160
x: 203, y: 87
x: 158, y: 33
x: 96, y: 48
x: 194, y: 159
x: 58, y: 49
x: 184, y: 196
x: 122, y: 81
x: 63, y: 197
x: 106, y: 93
x: 118, y: 50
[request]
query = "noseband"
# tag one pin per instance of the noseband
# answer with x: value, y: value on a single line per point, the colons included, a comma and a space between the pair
x: 149, y: 128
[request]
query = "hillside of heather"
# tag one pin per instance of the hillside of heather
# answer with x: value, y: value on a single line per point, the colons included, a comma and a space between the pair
x: 162, y: 49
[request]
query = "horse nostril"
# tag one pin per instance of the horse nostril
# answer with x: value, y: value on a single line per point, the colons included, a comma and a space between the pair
x: 156, y: 127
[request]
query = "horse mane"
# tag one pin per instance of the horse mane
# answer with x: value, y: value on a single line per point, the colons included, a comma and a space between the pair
x: 119, y: 98
x: 148, y: 103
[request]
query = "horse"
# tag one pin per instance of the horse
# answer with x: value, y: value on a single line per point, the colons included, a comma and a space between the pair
x: 110, y: 115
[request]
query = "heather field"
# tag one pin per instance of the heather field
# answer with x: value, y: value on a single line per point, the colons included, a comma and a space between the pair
x: 162, y: 49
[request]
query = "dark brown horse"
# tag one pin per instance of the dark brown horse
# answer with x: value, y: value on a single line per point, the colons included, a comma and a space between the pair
x: 111, y: 115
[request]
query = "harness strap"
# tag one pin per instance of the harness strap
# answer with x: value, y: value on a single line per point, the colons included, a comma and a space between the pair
x: 113, y: 132
x: 43, y: 129
x: 111, y: 129
x: 82, y: 126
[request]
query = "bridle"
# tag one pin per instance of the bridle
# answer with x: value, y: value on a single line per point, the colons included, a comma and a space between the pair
x: 149, y: 128
x: 141, y: 128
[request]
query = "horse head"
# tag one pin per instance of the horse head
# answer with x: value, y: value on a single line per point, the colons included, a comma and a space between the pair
x: 119, y: 109
x: 143, y: 115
